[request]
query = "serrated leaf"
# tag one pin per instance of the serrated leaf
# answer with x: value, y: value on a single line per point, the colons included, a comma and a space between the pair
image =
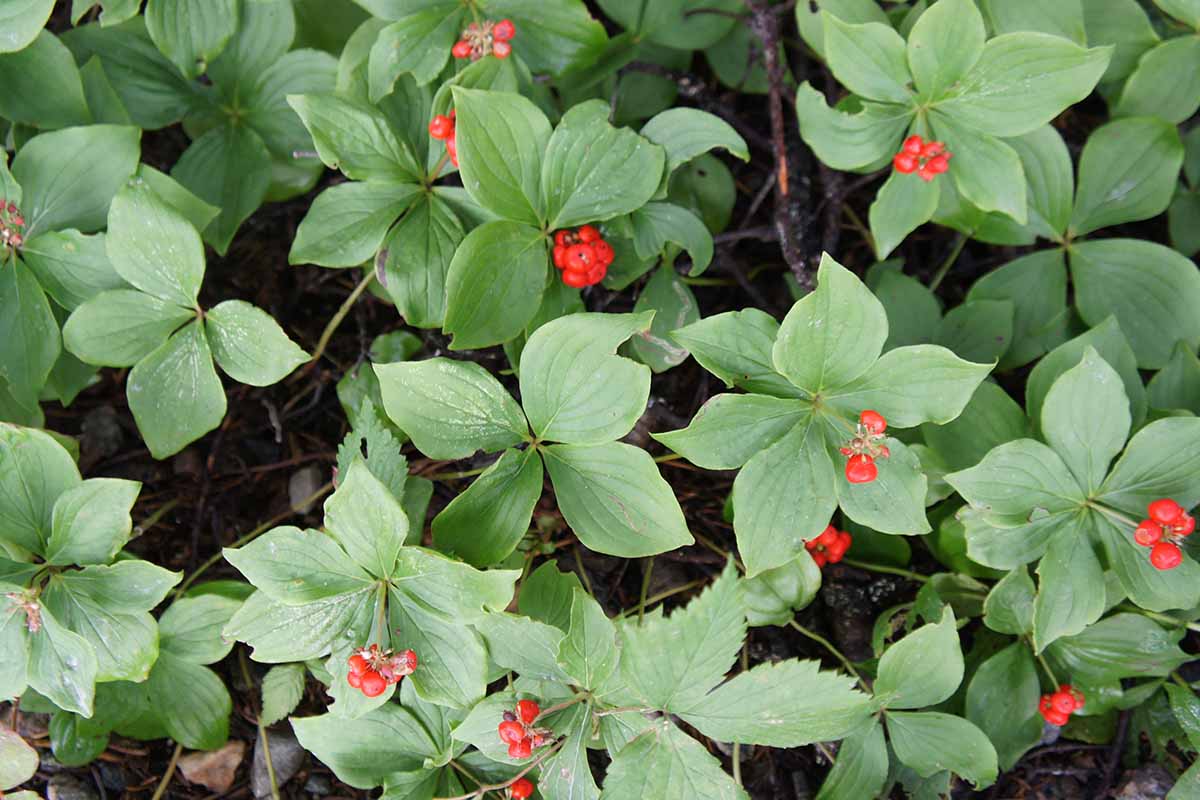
x: 666, y: 763
x: 282, y: 690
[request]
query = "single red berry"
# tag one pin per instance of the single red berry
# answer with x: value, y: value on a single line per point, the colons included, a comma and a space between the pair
x: 1062, y: 702
x: 905, y: 163
x: 405, y: 663
x: 846, y: 451
x: 501, y: 49
x: 938, y: 164
x: 441, y: 127
x: 511, y: 731
x: 913, y: 145
x: 521, y: 749
x: 452, y: 149
x: 373, y: 684
x: 819, y: 558
x: 575, y: 278
x: 884, y: 452
x: 587, y: 234
x: 1147, y: 533
x: 596, y: 274
x: 580, y: 257
x: 835, y: 551
x: 1044, y: 705
x: 604, y: 252
x: 354, y: 679
x: 357, y: 663
x: 1058, y: 718
x: 1164, y: 510
x: 504, y: 30
x: 1184, y: 525
x: 1165, y: 555
x: 528, y: 711
x: 560, y: 256
x: 925, y: 173
x: 873, y: 421
x: 931, y: 149
x: 861, y: 469
x: 520, y: 789
x: 538, y: 740
x: 561, y: 238
x: 461, y: 49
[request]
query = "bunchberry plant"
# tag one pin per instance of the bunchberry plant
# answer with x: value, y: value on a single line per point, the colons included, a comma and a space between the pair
x: 158, y: 327
x: 809, y: 382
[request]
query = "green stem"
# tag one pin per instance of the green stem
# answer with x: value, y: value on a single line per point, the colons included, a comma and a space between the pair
x: 262, y: 730
x: 579, y: 697
x: 667, y: 457
x: 1049, y: 672
x: 587, y: 582
x: 1113, y: 514
x: 647, y: 571
x: 904, y: 573
x: 658, y: 598
x: 1175, y: 676
x: 1163, y: 618
x: 858, y: 224
x: 959, y: 243
x: 707, y: 281
x: 152, y: 520
x: 166, y: 778
x: 340, y: 315
x: 453, y: 476
x: 828, y: 645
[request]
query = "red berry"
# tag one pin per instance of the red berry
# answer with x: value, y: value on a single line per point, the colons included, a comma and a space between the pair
x: 501, y: 49
x: 1044, y: 705
x: 587, y: 234
x: 1165, y: 555
x: 354, y: 679
x: 521, y: 789
x: 1062, y: 702
x: 1164, y: 510
x: 405, y: 663
x: 452, y: 149
x: 357, y: 663
x: 511, y: 731
x: 560, y: 238
x: 504, y: 30
x: 461, y: 49
x: 913, y: 145
x: 373, y: 684
x: 528, y: 711
x: 575, y: 278
x: 873, y: 421
x: 819, y: 558
x: 1058, y: 718
x: 596, y: 274
x: 604, y: 252
x: 1147, y: 533
x: 931, y: 149
x: 835, y: 551
x: 861, y: 469
x: 938, y: 164
x: 884, y: 452
x: 1184, y: 525
x: 580, y: 257
x: 521, y: 749
x: 905, y: 163
x: 441, y: 127
x: 560, y: 256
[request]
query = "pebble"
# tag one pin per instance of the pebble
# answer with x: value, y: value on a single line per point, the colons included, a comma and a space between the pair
x: 67, y: 787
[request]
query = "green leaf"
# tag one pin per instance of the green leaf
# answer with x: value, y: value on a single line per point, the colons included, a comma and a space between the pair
x: 574, y: 387
x: 1186, y: 11
x: 1022, y: 81
x: 861, y: 766
x: 978, y: 330
x: 892, y: 387
x: 730, y: 429
x: 20, y: 21
x: 892, y: 503
x: 567, y: 773
x: 1177, y: 385
x: 1067, y: 600
x: 1146, y: 286
x: 1125, y: 25
x: 663, y: 762
x: 192, y: 628
x: 944, y: 44
x: 849, y: 140
x: 366, y: 519
x: 355, y: 138
x: 547, y: 595
x: 278, y: 633
x: 784, y: 495
x: 736, y: 347
x: 1116, y: 647
x: 1017, y: 477
x: 249, y: 345
x: 1085, y: 418
x: 42, y: 85
x: 34, y: 471
x: 71, y: 267
x: 524, y: 645
x: 833, y: 335
x: 1002, y: 700
x: 14, y: 635
x: 200, y: 705
x: 124, y: 645
x: 175, y: 394
x: 191, y: 32
x: 229, y: 167
x: 986, y: 171
x: 502, y: 139
x: 1061, y: 19
x: 194, y: 210
x: 1145, y: 585
x: 365, y: 751
x: 1142, y: 475
x: 282, y: 690
x: 1050, y: 179
x: 91, y: 522
x: 772, y: 597
x: 30, y: 341
x: 295, y: 567
x: 674, y: 305
x: 153, y: 247
x: 930, y: 742
x: 1187, y: 711
x: 903, y: 204
x: 593, y: 171
x: 1155, y: 89
x: 484, y: 524
x: 121, y: 327
x: 495, y: 284
x: 814, y: 705
x: 74, y: 740
x: 1036, y: 285
x: 454, y: 664
x: 1128, y: 171
x: 811, y: 22
x: 269, y: 114
x: 867, y: 59
x: 420, y: 250
x: 614, y: 499
x: 450, y: 408
x: 418, y: 43
x: 922, y: 669
x: 658, y: 655
x: 62, y: 666
x: 347, y: 223
x: 1009, y: 605
x: 589, y: 654
x: 455, y: 591
x: 657, y: 224
x: 20, y: 761
x: 991, y: 418
x: 685, y: 133
x: 70, y: 176
x: 264, y: 35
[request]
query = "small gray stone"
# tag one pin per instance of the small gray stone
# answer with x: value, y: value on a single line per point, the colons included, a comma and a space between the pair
x: 1149, y: 782
x: 303, y: 484
x: 287, y: 756
x: 319, y: 785
x: 67, y: 787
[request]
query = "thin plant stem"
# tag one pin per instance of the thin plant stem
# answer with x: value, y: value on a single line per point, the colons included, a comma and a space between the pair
x: 166, y: 778
x: 667, y: 457
x: 557, y: 707
x: 940, y: 275
x: 337, y: 318
x: 1049, y: 672
x: 437, y: 170
x: 711, y: 545
x: 1175, y: 676
x: 857, y: 223
x: 828, y: 645
x: 587, y: 582
x: 904, y: 573
x: 495, y: 787
x: 1163, y: 618
x: 646, y: 573
x: 262, y: 730
x: 658, y: 598
x: 453, y: 476
x: 152, y: 520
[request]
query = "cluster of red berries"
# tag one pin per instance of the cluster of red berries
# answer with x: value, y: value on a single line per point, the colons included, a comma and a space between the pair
x: 520, y: 789
x: 481, y: 38
x: 829, y: 547
x: 1167, y: 526
x: 442, y: 129
x: 583, y: 256
x: 372, y: 670
x: 11, y: 224
x: 927, y: 159
x: 866, y: 446
x: 1056, y: 708
x: 517, y: 731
